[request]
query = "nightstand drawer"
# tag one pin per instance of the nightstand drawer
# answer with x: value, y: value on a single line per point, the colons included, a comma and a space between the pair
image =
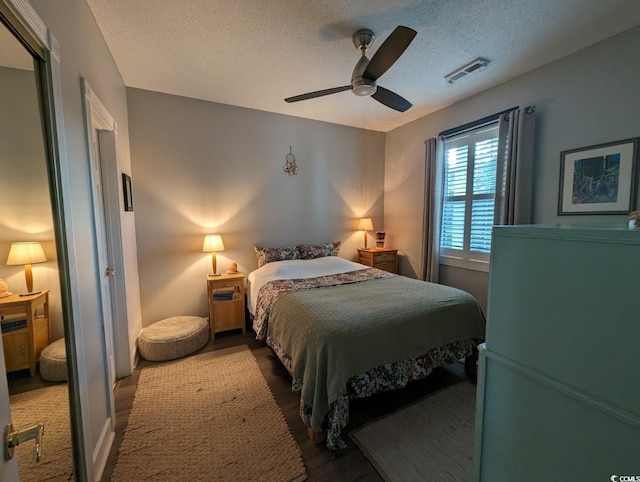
x: 217, y: 285
x: 389, y: 266
x: 381, y: 258
x: 366, y: 258
x: 384, y: 258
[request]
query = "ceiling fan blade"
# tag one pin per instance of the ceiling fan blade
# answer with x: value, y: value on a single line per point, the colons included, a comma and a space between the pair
x: 390, y: 51
x: 391, y: 99
x: 317, y: 93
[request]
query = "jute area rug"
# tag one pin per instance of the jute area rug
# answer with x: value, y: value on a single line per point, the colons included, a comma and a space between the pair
x: 50, y: 406
x: 207, y: 417
x: 430, y: 440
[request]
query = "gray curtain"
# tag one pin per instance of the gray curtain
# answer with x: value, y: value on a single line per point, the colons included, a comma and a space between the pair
x: 432, y: 211
x: 514, y: 176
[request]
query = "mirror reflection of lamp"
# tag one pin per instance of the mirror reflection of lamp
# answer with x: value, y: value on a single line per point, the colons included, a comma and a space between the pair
x: 26, y: 253
x: 365, y: 224
x: 212, y: 244
x: 4, y: 288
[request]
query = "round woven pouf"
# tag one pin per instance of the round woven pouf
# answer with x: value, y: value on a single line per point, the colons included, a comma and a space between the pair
x: 173, y: 338
x: 53, y: 362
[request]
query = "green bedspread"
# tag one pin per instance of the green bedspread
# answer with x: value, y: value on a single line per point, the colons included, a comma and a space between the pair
x: 334, y: 333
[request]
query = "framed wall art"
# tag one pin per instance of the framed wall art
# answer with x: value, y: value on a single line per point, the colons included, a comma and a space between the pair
x: 599, y: 179
x: 126, y: 191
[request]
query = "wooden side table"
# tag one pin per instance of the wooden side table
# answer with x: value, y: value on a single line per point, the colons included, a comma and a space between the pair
x: 226, y: 309
x: 381, y: 258
x: 22, y: 347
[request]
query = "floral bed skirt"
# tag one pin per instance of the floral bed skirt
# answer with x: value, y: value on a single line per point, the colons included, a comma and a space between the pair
x: 382, y: 378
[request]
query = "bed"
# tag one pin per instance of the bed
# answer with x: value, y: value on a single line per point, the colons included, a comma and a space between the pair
x: 344, y: 330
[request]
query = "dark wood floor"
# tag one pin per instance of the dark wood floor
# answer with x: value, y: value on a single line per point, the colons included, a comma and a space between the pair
x: 21, y: 381
x: 321, y: 464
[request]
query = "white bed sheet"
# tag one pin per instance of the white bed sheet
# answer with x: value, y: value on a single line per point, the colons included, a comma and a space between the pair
x: 295, y: 269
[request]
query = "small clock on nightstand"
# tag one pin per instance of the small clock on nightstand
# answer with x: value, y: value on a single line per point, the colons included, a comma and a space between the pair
x: 381, y: 258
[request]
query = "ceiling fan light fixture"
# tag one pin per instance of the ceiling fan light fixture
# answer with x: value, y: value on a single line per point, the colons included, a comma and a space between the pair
x: 367, y: 72
x: 363, y: 88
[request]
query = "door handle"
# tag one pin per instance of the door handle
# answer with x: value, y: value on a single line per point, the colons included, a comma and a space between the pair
x: 109, y: 272
x: 14, y: 438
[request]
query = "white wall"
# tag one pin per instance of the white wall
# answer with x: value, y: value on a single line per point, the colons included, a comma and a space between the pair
x: 587, y: 98
x: 201, y: 167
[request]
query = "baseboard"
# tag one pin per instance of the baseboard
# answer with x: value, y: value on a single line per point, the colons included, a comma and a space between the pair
x: 102, y: 449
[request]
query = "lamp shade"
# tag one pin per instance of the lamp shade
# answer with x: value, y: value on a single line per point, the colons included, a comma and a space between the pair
x: 26, y: 253
x: 365, y: 224
x: 212, y: 243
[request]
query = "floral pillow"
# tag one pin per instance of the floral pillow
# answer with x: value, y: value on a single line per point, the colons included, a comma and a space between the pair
x: 281, y: 253
x: 312, y: 251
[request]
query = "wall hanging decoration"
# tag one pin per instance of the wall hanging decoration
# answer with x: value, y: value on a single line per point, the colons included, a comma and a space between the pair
x: 598, y: 179
x: 126, y: 192
x: 290, y: 166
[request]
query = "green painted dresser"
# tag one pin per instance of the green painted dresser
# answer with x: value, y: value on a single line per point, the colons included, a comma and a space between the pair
x: 558, y: 394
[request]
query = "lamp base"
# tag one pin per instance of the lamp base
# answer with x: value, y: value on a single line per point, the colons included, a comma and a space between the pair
x: 31, y: 293
x: 215, y: 274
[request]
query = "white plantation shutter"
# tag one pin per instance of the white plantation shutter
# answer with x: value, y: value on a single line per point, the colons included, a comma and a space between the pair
x: 455, y: 188
x: 483, y: 196
x: 470, y: 163
x: 481, y: 224
x: 452, y: 225
x: 483, y: 173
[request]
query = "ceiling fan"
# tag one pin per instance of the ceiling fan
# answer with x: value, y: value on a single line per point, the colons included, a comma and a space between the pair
x: 367, y: 72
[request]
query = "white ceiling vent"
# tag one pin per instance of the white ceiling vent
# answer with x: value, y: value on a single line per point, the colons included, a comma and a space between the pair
x: 474, y: 66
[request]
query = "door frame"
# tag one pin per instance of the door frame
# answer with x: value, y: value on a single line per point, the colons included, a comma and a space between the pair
x: 98, y: 120
x: 98, y: 117
x: 20, y: 17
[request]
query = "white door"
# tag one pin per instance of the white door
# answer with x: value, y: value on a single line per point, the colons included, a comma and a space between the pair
x: 105, y: 271
x: 8, y: 469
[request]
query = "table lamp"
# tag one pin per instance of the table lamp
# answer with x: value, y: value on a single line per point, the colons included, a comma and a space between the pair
x: 212, y: 244
x: 365, y: 224
x: 26, y: 253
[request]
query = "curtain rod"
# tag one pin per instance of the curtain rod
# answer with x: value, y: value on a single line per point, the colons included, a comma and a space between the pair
x: 475, y: 124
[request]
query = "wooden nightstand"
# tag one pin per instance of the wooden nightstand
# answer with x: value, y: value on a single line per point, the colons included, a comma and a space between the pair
x: 22, y: 347
x: 227, y: 312
x: 381, y: 258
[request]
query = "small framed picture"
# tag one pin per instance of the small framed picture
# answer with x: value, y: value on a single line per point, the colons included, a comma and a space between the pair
x: 599, y: 179
x: 126, y: 190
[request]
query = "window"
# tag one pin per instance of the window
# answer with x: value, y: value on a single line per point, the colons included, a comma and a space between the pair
x: 470, y: 163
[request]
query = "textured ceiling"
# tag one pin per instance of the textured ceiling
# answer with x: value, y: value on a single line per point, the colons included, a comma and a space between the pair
x: 254, y: 53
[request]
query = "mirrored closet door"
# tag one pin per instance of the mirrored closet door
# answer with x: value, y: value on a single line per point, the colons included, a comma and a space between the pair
x: 30, y: 294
